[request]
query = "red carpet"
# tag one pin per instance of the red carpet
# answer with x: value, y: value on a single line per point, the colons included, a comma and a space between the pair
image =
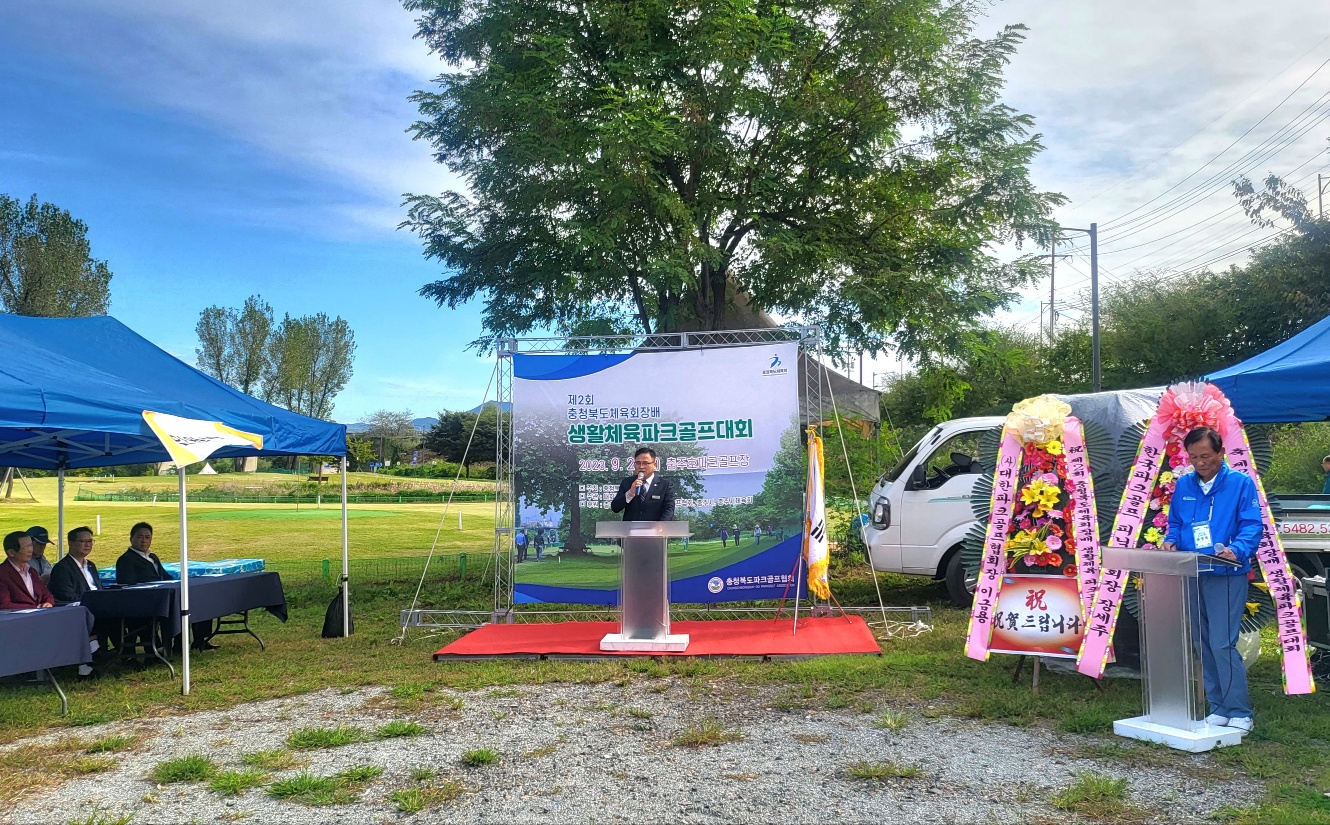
x: 761, y: 638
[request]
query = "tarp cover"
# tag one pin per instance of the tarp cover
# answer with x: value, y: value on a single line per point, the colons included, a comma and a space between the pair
x: 1287, y: 383
x: 75, y: 389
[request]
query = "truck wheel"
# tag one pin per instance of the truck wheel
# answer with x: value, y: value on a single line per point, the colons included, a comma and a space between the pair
x: 960, y: 587
x: 1305, y: 565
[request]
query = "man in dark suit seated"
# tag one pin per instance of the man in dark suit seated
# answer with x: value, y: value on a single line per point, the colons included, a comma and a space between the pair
x: 645, y: 496
x: 138, y: 565
x: 75, y: 575
x: 20, y: 586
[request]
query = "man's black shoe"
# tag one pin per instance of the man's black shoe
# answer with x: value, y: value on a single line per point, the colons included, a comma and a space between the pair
x: 206, y: 646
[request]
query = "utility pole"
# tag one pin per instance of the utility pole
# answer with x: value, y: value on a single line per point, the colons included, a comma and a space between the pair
x: 1320, y: 190
x: 1052, y: 291
x: 1094, y: 308
x: 1093, y: 232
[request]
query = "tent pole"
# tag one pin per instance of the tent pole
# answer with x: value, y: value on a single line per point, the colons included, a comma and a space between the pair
x: 185, y: 641
x: 346, y: 562
x: 59, y: 513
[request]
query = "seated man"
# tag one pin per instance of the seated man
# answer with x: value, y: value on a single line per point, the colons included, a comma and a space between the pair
x: 20, y: 586
x: 75, y: 574
x: 138, y: 565
x: 40, y: 541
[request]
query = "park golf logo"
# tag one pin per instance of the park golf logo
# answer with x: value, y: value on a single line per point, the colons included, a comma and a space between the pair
x: 774, y: 368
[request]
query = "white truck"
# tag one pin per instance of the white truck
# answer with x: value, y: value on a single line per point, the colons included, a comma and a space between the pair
x: 920, y: 511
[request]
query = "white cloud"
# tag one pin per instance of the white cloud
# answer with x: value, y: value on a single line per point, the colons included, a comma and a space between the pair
x: 320, y: 86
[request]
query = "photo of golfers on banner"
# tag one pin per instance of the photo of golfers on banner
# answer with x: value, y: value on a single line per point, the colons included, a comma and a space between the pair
x: 714, y: 433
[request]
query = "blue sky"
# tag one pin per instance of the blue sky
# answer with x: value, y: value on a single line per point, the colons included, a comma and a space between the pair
x: 221, y: 150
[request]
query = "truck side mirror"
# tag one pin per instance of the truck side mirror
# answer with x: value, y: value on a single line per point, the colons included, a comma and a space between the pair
x: 919, y: 478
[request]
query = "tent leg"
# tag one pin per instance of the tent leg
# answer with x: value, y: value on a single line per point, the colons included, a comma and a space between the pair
x: 346, y: 563
x: 185, y: 640
x: 59, y: 513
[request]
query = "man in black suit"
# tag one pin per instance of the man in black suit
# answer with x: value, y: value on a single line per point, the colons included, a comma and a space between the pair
x: 645, y: 496
x: 75, y: 574
x: 137, y: 565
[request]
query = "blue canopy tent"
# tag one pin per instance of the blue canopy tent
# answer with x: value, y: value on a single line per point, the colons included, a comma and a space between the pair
x: 73, y: 392
x: 1288, y: 383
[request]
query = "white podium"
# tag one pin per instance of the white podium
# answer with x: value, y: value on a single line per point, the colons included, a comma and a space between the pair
x: 1170, y: 658
x: 644, y: 585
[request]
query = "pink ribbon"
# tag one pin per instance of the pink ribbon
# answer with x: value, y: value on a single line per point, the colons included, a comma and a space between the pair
x: 1084, y: 518
x: 1274, y: 567
x: 1006, y: 485
x: 1103, y: 618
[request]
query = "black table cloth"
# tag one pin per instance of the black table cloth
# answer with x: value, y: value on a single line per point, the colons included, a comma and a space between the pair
x: 210, y: 597
x: 44, y: 638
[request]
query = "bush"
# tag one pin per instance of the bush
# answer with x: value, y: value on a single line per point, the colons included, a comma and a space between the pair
x: 1298, y: 450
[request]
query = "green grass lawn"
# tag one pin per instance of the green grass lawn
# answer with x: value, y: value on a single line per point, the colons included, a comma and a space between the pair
x: 601, y: 567
x: 278, y: 533
x: 1289, y: 752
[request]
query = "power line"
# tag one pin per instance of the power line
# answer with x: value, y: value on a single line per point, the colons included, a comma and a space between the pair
x: 1250, y: 129
x: 1206, y: 127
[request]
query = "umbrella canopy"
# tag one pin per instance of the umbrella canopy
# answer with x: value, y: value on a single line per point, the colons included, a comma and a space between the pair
x: 73, y: 392
x: 1287, y: 383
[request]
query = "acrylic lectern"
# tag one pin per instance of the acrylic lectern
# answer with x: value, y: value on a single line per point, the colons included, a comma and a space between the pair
x: 644, y: 585
x: 1170, y: 657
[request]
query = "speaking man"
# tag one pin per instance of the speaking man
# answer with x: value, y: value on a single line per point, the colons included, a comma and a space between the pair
x: 645, y: 496
x: 1216, y: 512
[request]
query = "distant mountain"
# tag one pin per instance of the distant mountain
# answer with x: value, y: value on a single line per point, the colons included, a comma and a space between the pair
x: 424, y: 424
x: 421, y: 424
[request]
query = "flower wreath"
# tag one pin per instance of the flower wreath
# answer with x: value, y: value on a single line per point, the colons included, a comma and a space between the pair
x: 1142, y: 521
x: 1042, y: 514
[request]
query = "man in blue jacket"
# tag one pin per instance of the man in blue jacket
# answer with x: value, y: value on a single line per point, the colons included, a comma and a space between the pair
x: 1215, y: 511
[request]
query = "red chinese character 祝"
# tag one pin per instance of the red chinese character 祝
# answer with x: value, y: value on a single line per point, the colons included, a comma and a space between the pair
x: 1035, y: 600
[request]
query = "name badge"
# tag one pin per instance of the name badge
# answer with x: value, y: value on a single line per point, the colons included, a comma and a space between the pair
x: 655, y: 498
x: 1200, y: 534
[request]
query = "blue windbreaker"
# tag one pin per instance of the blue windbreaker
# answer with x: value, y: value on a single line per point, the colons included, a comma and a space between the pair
x: 1233, y: 510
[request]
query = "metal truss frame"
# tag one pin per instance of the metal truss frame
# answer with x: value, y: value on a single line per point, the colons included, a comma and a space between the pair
x: 505, y: 503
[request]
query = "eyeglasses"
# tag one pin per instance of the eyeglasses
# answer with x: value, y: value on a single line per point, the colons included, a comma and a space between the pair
x: 82, y: 541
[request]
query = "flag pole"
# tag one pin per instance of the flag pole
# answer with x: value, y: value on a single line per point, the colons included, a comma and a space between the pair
x: 185, y: 624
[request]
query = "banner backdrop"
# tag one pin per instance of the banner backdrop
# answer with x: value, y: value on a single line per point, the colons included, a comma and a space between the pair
x: 725, y: 424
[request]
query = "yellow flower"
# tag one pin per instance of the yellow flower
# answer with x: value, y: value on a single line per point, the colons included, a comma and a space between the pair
x: 1048, y: 497
x: 1054, y: 447
x: 1166, y: 476
x: 1153, y: 535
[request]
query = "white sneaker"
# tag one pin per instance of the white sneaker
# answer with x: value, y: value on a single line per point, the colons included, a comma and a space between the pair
x: 1242, y: 723
x: 1217, y: 720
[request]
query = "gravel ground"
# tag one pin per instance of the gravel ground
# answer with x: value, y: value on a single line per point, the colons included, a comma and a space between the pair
x: 606, y: 753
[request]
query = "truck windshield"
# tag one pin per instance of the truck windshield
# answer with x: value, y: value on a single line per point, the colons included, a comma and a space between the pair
x: 908, y: 459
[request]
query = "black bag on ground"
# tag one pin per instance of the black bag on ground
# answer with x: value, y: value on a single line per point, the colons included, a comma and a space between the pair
x: 332, y: 620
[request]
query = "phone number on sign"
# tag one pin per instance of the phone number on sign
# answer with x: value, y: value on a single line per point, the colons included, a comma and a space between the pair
x: 1304, y: 527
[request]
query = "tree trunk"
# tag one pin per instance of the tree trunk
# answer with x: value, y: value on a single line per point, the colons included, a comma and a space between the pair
x: 573, y: 543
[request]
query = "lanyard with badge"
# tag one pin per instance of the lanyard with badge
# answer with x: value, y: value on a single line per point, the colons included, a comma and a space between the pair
x: 1201, y: 536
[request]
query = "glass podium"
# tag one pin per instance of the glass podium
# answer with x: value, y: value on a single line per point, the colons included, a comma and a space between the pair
x: 644, y: 585
x: 1174, y: 701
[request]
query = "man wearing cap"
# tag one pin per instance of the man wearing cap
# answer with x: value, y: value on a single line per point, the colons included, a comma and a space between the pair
x: 20, y: 586
x: 39, y: 563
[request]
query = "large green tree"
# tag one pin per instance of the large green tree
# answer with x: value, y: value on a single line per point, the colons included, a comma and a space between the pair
x: 455, y: 431
x: 234, y: 343
x: 664, y: 165
x: 310, y: 361
x: 46, y: 263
